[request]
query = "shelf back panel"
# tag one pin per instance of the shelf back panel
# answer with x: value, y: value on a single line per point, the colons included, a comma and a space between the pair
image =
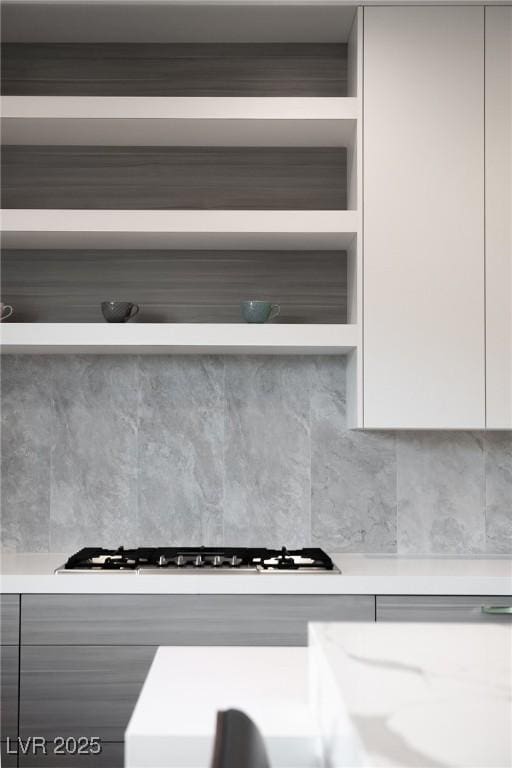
x: 166, y: 178
x: 174, y: 286
x: 160, y: 69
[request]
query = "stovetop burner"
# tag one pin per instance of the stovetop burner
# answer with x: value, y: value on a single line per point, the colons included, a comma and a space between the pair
x: 145, y: 560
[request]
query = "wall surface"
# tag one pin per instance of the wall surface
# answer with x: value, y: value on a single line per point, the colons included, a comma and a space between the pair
x: 103, y: 451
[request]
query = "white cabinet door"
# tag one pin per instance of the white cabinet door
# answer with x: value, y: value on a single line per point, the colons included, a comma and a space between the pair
x: 498, y: 215
x: 424, y: 356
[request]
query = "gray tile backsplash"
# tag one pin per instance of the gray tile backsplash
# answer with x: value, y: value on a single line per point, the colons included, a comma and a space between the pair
x: 27, y: 435
x: 180, y: 441
x: 267, y: 451
x: 441, y: 492
x: 353, y: 474
x: 103, y: 450
x: 93, y: 478
x: 498, y: 491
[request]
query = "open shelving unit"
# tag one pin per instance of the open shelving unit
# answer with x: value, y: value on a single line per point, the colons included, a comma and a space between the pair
x: 183, y: 338
x: 180, y: 121
x: 299, y: 120
x: 265, y: 230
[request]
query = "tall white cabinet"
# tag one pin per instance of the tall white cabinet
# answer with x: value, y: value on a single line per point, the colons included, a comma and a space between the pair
x: 424, y: 283
x: 498, y: 215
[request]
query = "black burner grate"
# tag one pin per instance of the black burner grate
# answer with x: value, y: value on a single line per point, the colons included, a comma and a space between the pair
x: 200, y: 557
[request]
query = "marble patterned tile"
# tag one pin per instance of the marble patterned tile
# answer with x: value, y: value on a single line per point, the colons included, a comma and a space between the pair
x: 240, y: 450
x: 267, y: 451
x: 181, y: 434
x: 353, y: 474
x: 26, y: 442
x: 440, y: 482
x: 94, y: 452
x: 498, y: 492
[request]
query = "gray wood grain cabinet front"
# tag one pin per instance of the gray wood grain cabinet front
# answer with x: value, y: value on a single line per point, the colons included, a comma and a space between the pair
x: 473, y: 608
x: 183, y: 619
x: 8, y: 760
x: 9, y: 655
x: 9, y: 619
x: 84, y: 657
x: 80, y: 691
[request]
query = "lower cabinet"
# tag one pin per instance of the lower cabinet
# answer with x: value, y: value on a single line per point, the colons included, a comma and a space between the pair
x: 84, y: 658
x: 441, y: 608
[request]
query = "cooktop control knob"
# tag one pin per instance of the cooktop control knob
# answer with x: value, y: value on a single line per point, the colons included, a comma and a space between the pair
x: 198, y: 562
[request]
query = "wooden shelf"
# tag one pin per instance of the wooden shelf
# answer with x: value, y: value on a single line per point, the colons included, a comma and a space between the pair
x: 142, y: 338
x: 212, y: 229
x: 154, y: 121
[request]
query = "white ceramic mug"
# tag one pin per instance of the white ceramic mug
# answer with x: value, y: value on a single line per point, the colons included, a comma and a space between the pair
x: 5, y: 311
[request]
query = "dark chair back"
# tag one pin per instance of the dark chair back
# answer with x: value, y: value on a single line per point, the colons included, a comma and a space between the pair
x: 238, y: 742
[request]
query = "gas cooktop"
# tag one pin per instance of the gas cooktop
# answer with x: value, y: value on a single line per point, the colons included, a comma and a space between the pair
x: 147, y: 560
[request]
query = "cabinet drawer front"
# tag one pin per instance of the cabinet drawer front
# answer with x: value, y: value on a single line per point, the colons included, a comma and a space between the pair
x: 9, y: 692
x: 432, y: 608
x: 80, y: 691
x: 183, y: 619
x: 111, y: 756
x: 9, y: 619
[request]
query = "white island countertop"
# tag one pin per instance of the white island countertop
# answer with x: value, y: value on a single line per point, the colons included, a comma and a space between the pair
x: 360, y: 575
x: 173, y: 723
x: 413, y: 694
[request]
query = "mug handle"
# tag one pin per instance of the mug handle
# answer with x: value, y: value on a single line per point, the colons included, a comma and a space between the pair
x: 132, y: 313
x: 275, y: 309
x: 9, y: 310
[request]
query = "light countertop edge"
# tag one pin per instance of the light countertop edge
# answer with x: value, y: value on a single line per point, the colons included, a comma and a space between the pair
x: 360, y: 575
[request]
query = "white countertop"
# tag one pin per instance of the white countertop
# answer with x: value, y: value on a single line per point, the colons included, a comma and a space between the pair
x: 173, y: 723
x: 360, y: 575
x: 413, y: 694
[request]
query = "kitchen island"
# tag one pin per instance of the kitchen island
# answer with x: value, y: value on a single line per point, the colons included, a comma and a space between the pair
x: 173, y: 723
x: 379, y: 695
x: 413, y: 695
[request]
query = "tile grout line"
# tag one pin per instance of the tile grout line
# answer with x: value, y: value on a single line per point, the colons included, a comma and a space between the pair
x: 53, y: 433
x: 484, y: 487
x: 19, y: 677
x: 224, y: 431
x: 310, y: 445
x: 395, y: 443
x: 137, y: 448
